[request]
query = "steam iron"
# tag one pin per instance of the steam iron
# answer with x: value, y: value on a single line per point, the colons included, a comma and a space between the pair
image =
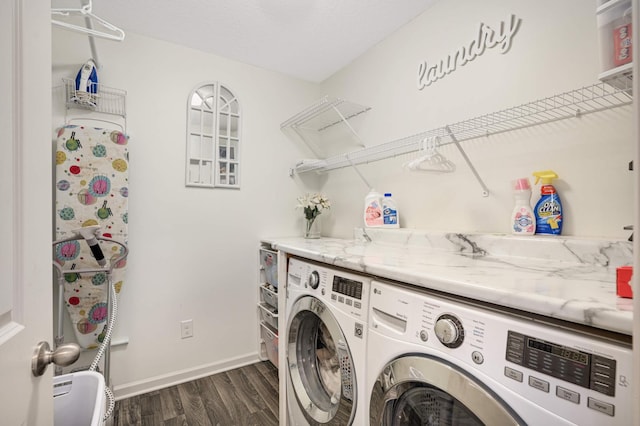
x: 87, y: 85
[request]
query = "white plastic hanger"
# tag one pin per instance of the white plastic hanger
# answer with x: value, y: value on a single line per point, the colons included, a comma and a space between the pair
x: 431, y: 160
x: 86, y: 12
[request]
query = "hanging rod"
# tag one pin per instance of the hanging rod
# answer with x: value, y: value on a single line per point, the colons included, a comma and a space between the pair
x: 597, y: 97
x: 86, y: 12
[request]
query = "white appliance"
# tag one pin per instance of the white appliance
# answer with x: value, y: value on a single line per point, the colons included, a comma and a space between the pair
x: 435, y: 360
x: 326, y: 316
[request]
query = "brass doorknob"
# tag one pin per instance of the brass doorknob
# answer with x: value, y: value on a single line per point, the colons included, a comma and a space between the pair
x: 63, y: 356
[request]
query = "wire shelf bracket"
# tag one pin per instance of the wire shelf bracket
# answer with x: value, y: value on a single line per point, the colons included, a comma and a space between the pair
x: 321, y: 115
x: 316, y: 116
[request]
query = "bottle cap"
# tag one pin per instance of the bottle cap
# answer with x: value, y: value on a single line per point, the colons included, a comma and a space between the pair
x: 546, y: 176
x: 521, y: 184
x: 387, y: 194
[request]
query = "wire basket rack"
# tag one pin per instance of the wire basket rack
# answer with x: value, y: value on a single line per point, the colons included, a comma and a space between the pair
x: 98, y: 98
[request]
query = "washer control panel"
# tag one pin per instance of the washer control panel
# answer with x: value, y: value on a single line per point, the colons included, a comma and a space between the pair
x: 580, y: 378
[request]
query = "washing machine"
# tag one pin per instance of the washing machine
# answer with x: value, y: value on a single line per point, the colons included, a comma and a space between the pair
x: 326, y: 315
x: 434, y: 360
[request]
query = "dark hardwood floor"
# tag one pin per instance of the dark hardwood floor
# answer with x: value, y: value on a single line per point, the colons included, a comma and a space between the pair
x: 245, y: 396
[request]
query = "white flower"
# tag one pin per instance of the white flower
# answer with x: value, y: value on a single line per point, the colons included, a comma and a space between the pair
x: 313, y: 204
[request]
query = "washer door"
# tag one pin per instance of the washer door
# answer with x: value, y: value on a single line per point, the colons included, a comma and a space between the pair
x: 320, y: 364
x: 423, y: 390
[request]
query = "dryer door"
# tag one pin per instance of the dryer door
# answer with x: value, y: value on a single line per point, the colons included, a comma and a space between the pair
x: 424, y: 390
x: 320, y: 365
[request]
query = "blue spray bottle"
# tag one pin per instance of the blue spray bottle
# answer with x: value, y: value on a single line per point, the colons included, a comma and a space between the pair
x: 548, y: 209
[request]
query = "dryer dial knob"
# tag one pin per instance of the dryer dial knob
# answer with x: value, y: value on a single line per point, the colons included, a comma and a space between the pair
x: 449, y: 331
x: 314, y: 280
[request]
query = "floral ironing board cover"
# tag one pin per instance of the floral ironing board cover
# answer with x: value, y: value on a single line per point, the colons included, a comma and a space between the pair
x: 92, y: 188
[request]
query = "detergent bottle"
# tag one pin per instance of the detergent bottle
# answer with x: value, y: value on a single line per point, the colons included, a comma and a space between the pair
x: 390, y: 215
x: 548, y: 209
x: 523, y: 220
x: 373, y: 210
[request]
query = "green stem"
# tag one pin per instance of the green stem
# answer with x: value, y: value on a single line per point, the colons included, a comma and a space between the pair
x: 309, y: 223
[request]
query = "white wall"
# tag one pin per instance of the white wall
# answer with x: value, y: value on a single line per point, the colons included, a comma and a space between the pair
x: 555, y: 50
x: 193, y: 250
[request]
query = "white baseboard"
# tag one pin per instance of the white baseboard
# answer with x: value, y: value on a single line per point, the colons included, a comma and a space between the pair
x: 127, y: 390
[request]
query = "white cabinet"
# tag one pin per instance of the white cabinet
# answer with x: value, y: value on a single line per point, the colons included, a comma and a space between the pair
x: 268, y: 304
x: 614, y: 37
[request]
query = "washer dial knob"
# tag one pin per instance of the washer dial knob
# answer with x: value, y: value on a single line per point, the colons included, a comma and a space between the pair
x: 449, y: 331
x: 314, y: 279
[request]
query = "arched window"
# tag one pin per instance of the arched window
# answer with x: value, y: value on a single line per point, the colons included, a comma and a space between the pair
x: 213, y: 137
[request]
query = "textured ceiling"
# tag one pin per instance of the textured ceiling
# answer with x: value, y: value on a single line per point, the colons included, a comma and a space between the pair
x: 308, y: 39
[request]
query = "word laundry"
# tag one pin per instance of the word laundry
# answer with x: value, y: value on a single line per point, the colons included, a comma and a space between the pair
x: 487, y: 38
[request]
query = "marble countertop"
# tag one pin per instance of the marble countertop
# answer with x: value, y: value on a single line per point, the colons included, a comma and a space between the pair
x: 564, y: 278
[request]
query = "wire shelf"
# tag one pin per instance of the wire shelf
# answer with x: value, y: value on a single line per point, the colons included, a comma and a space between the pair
x: 597, y: 97
x: 324, y: 113
x: 105, y: 99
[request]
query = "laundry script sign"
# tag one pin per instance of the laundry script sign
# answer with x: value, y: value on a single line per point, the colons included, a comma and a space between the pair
x: 487, y: 38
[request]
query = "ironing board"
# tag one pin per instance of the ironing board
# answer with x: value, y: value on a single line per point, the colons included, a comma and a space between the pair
x: 91, y: 178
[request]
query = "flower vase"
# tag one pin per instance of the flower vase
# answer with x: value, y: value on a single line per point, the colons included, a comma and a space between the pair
x: 312, y: 227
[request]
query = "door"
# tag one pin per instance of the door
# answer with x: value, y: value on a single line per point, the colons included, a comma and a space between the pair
x: 423, y: 390
x: 25, y: 205
x: 320, y: 366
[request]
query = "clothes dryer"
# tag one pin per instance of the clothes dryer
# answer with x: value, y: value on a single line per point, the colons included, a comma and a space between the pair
x: 433, y: 360
x: 326, y: 315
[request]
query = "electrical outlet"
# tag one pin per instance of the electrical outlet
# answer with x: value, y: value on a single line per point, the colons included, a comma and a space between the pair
x: 186, y: 328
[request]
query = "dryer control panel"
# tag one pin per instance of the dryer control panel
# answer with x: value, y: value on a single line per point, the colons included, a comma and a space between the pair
x: 347, y: 287
x: 344, y: 290
x: 571, y: 365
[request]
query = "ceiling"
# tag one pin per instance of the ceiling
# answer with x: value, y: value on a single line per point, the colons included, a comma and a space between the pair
x: 307, y: 39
